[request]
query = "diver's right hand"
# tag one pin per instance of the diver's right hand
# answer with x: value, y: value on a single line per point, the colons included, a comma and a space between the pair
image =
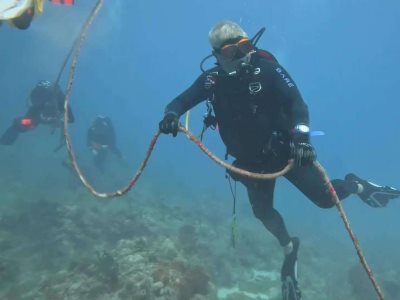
x: 169, y: 124
x: 303, y: 153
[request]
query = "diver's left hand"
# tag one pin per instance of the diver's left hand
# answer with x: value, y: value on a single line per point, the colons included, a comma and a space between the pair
x: 303, y: 153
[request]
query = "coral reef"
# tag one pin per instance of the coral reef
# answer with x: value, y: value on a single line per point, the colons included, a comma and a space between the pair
x: 360, y: 285
x: 66, y: 247
x: 363, y: 290
x: 186, y: 280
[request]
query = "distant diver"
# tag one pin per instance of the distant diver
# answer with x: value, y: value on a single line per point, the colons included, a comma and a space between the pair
x: 20, y: 13
x: 264, y: 122
x: 101, y: 139
x: 46, y: 106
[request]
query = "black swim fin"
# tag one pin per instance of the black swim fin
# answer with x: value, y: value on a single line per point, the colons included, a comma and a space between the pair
x: 10, y: 136
x: 374, y: 195
x: 290, y: 287
x: 290, y: 290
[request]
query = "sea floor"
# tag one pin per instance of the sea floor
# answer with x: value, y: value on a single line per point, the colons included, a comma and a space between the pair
x: 69, y: 245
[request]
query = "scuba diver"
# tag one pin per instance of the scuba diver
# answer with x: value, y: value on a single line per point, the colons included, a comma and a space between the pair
x: 20, y: 13
x: 100, y: 139
x: 264, y: 122
x: 46, y: 107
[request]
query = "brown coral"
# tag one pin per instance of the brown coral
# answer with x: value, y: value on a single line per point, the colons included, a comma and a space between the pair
x: 186, y: 280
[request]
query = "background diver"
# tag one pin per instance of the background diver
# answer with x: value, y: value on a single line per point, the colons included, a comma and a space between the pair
x: 46, y: 106
x: 101, y: 139
x: 264, y: 122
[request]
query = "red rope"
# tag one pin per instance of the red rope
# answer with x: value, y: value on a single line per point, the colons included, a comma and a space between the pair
x: 230, y: 167
x: 353, y: 237
x: 220, y: 162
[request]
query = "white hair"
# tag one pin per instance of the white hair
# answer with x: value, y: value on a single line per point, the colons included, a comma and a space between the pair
x: 224, y: 31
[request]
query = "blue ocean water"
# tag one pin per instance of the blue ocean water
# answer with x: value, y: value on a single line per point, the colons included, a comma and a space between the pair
x: 343, y: 56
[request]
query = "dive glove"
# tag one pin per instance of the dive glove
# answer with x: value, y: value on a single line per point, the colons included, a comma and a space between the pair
x: 301, y: 150
x: 169, y: 124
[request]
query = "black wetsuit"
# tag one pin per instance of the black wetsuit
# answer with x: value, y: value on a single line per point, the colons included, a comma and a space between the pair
x: 101, y: 138
x: 46, y: 107
x: 255, y: 115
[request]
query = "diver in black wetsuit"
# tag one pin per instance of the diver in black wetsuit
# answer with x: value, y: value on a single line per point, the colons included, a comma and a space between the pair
x: 101, y: 139
x: 264, y: 122
x: 46, y: 107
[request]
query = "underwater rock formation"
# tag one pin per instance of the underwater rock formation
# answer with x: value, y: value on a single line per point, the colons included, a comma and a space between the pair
x: 186, y: 280
x: 363, y: 290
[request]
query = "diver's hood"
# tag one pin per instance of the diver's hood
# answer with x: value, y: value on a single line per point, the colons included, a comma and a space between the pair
x: 10, y: 9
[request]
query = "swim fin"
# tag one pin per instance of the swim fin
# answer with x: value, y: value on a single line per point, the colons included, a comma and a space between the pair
x: 374, y: 195
x: 290, y: 287
x: 10, y: 136
x: 290, y: 290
